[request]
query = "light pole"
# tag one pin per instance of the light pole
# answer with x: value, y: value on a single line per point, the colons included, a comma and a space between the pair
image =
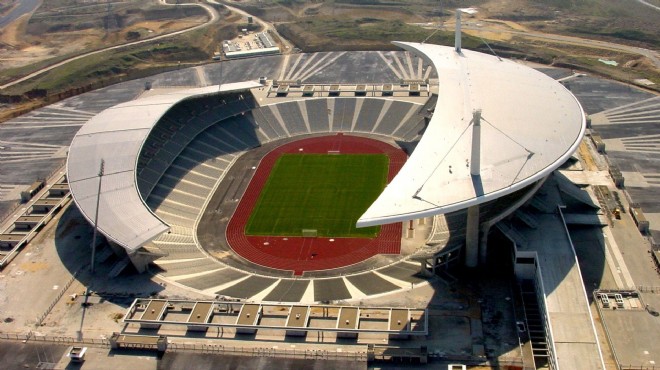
x: 96, y: 216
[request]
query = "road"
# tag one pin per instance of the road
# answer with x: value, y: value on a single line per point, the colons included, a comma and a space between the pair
x: 23, y: 7
x: 212, y: 12
x: 647, y: 4
x: 652, y: 55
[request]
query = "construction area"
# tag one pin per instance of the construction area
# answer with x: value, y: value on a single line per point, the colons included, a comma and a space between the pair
x: 249, y: 44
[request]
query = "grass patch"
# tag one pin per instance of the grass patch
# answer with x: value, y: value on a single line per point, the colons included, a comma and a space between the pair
x: 322, y: 34
x: 618, y: 34
x: 327, y: 193
x: 16, y: 72
x: 114, y: 65
x: 194, y: 47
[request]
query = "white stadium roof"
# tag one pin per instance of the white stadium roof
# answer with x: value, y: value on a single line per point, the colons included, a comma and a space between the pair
x: 116, y: 136
x: 530, y: 125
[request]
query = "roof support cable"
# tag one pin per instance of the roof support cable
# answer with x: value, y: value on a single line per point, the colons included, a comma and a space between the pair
x: 431, y: 35
x: 489, y: 48
x: 416, y: 195
x: 439, y: 24
x: 530, y: 153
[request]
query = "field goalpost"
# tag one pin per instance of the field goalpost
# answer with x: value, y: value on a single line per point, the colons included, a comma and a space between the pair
x: 309, y: 233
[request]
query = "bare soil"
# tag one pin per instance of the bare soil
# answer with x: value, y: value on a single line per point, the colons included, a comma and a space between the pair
x: 7, y: 6
x: 22, y: 44
x: 327, y: 26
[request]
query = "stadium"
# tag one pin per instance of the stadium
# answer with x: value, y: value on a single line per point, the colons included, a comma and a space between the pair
x: 256, y: 191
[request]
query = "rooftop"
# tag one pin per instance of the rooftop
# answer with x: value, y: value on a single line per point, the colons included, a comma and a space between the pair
x: 530, y: 125
x: 116, y: 136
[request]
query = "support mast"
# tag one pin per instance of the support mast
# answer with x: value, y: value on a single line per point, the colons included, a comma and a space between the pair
x: 475, y: 160
x: 96, y: 216
x: 457, y: 36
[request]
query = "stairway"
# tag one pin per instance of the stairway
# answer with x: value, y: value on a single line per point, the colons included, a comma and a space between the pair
x: 535, y: 324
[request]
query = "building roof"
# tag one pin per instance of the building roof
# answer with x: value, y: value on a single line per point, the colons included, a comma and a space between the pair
x: 116, y: 136
x: 530, y: 125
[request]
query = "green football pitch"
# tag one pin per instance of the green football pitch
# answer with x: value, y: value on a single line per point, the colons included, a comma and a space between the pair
x: 322, y: 192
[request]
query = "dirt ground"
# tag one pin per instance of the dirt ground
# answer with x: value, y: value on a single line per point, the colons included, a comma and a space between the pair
x: 7, y: 6
x: 17, y: 51
x: 18, y: 48
x: 10, y: 34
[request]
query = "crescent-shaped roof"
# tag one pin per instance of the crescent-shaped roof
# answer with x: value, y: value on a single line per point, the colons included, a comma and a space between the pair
x: 530, y: 125
x: 116, y: 136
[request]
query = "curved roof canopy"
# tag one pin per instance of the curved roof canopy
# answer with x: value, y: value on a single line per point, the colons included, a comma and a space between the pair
x: 530, y: 124
x: 116, y: 136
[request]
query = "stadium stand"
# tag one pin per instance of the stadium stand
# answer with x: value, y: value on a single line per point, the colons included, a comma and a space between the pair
x: 179, y: 127
x: 343, y: 114
x: 190, y: 267
x: 239, y: 132
x: 413, y: 128
x: 397, y: 113
x: 265, y: 121
x: 403, y: 271
x: 192, y: 147
x: 249, y: 287
x: 288, y: 290
x: 212, y: 279
x: 291, y: 116
x: 330, y: 289
x: 369, y: 113
x: 206, y: 280
x: 179, y: 251
x: 317, y: 112
x: 271, y: 116
x: 370, y: 283
x: 374, y: 115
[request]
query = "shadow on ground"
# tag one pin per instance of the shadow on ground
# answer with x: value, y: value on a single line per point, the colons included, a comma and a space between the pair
x: 73, y: 238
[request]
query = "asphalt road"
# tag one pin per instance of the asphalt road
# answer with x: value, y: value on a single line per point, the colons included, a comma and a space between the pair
x: 652, y: 55
x: 24, y: 7
x: 648, y: 4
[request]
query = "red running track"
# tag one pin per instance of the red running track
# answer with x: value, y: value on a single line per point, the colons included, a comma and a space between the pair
x: 301, y: 254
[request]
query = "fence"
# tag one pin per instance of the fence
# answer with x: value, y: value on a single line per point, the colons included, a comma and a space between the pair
x: 40, y: 319
x: 649, y: 289
x: 15, y: 336
x: 268, y: 352
x: 217, y: 349
x: 54, y: 339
